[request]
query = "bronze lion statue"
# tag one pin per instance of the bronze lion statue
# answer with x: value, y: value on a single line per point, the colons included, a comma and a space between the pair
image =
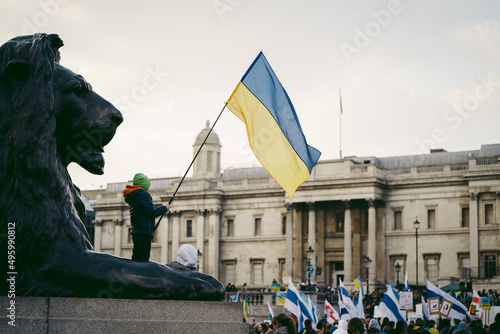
x: 50, y: 117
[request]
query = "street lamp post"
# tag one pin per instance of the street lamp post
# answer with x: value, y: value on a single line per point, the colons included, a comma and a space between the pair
x: 398, y: 269
x: 416, y: 225
x: 367, y: 266
x: 198, y: 260
x: 309, y: 253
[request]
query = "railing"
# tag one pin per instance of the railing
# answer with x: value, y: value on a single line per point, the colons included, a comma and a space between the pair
x: 488, y: 272
x: 261, y: 298
x: 404, y: 170
x: 482, y: 273
x: 486, y: 161
x: 459, y: 166
x: 359, y: 169
x: 430, y: 169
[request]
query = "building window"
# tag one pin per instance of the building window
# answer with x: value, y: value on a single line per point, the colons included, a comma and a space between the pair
x: 217, y: 163
x: 340, y: 223
x: 394, y: 261
x: 431, y: 218
x: 189, y: 228
x: 464, y: 267
x: 282, y: 268
x: 229, y: 272
x: 257, y: 272
x: 432, y: 268
x: 488, y: 214
x: 129, y: 240
x: 490, y: 266
x: 230, y: 227
x: 257, y: 226
x: 398, y: 224
x: 209, y: 161
x: 199, y: 166
x: 465, y: 217
x: 283, y: 225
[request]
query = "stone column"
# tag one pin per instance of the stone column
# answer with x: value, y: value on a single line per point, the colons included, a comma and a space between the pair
x: 97, y: 235
x: 372, y: 240
x: 200, y: 236
x: 176, y: 234
x: 164, y: 229
x: 473, y: 234
x: 213, y: 243
x: 289, y: 240
x: 347, y: 243
x: 118, y: 237
x: 312, y: 234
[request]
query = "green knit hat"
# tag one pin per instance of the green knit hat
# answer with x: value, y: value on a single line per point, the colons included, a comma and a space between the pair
x: 141, y: 180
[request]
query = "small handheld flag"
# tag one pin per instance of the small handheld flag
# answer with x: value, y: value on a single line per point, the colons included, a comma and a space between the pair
x: 407, y: 285
x: 271, y: 312
x: 273, y: 129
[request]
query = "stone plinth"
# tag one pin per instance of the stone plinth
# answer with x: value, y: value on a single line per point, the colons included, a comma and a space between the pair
x: 87, y: 315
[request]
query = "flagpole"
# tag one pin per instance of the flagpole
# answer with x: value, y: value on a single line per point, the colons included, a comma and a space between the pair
x: 340, y: 124
x: 191, y: 164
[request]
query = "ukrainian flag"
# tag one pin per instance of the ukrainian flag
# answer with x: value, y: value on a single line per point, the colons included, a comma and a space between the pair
x: 246, y: 311
x: 273, y: 129
x: 359, y: 284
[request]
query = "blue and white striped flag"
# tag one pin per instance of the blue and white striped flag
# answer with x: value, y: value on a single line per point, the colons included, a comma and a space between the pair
x: 344, y: 314
x: 407, y: 285
x: 347, y: 301
x: 312, y: 311
x: 389, y: 306
x: 458, y: 310
x: 295, y: 304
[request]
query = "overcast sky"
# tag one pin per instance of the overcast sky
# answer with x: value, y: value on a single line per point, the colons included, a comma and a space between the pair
x: 415, y: 75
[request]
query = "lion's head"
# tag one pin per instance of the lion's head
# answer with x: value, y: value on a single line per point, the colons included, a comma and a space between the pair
x: 85, y: 122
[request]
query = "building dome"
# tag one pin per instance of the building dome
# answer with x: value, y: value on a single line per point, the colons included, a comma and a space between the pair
x: 207, y: 164
x: 213, y: 139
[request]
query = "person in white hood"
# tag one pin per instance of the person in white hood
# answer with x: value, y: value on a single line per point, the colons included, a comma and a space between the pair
x: 341, y: 328
x: 187, y: 256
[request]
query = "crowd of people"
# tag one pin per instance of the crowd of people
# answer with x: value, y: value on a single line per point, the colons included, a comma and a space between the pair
x: 370, y: 300
x: 283, y: 324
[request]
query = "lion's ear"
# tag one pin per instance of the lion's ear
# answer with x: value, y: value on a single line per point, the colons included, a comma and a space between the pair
x: 18, y: 71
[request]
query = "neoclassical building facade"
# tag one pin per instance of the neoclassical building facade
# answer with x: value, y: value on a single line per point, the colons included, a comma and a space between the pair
x: 351, y: 209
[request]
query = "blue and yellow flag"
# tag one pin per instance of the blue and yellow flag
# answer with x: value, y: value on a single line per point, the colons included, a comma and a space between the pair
x: 359, y: 284
x: 273, y: 129
x: 246, y: 311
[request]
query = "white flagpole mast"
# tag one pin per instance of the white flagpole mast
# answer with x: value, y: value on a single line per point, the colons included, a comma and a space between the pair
x: 340, y: 124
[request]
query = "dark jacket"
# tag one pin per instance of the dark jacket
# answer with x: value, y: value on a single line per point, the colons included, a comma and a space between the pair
x: 142, y: 210
x: 177, y: 266
x: 494, y: 327
x: 419, y: 330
